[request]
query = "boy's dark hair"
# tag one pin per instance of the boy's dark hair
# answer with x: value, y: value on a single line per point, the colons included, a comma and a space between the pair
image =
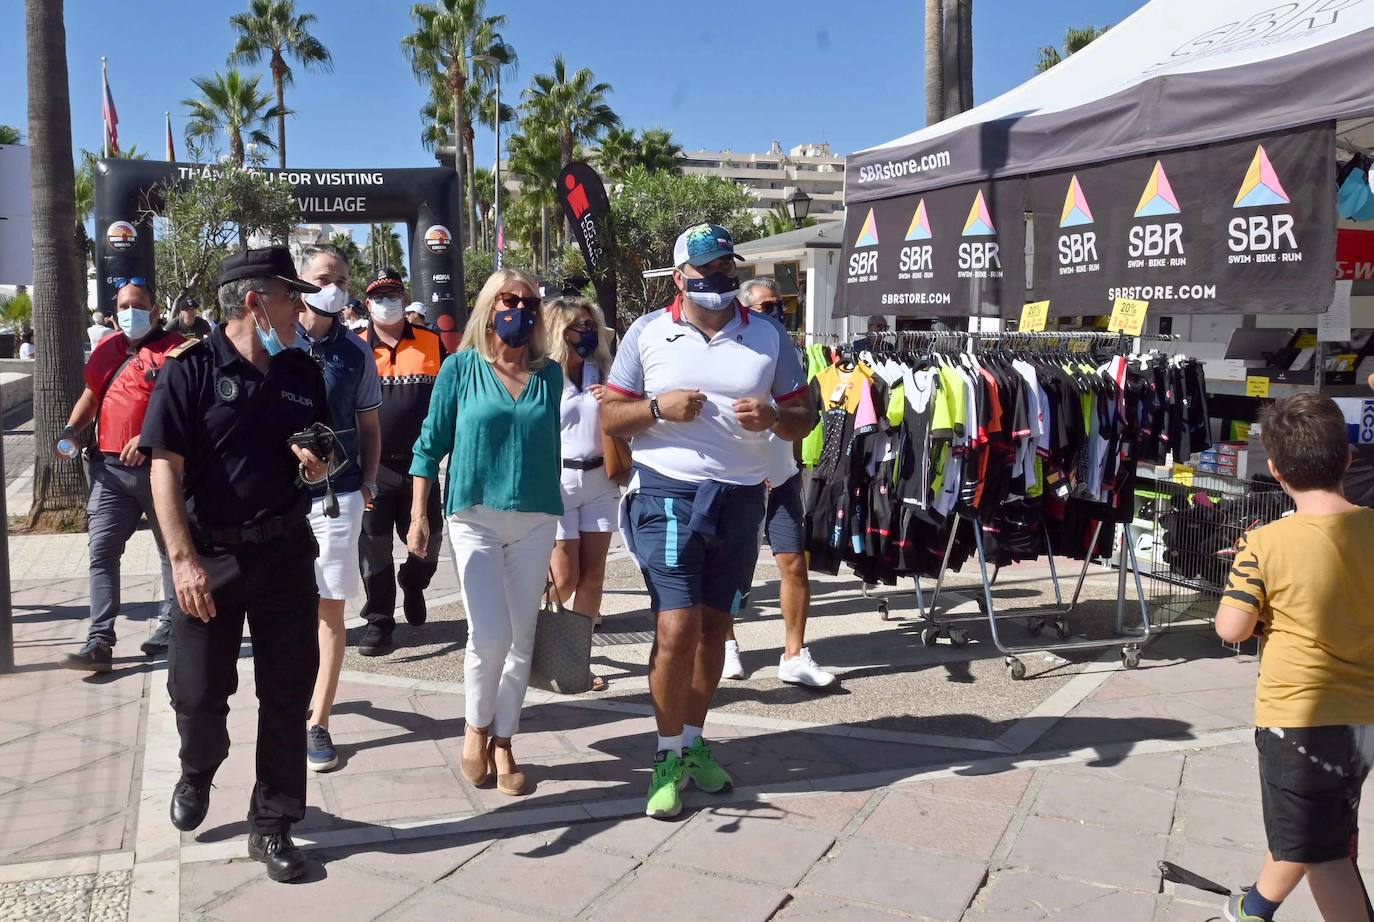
x: 1306, y: 439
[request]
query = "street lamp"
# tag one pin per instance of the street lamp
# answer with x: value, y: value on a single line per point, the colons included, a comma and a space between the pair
x: 798, y: 206
x: 495, y: 63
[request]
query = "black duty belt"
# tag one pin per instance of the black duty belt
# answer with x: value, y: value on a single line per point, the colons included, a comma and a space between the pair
x: 589, y: 464
x: 257, y: 533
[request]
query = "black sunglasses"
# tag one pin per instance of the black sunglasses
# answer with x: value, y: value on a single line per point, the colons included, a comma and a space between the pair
x: 583, y: 325
x: 511, y: 302
x: 770, y: 306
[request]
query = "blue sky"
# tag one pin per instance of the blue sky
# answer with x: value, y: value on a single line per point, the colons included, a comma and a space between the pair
x: 737, y: 75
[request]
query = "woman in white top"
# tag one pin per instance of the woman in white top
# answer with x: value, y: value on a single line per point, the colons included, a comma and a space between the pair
x: 580, y: 343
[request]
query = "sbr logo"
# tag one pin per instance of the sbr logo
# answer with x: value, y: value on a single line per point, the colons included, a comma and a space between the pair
x: 1262, y: 238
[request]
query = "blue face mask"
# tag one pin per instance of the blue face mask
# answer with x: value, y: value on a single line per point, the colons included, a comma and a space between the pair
x: 269, y: 338
x: 586, y: 344
x: 715, y: 292
x: 514, y: 326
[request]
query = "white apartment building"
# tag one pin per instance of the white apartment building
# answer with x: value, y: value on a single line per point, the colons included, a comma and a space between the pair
x: 812, y: 168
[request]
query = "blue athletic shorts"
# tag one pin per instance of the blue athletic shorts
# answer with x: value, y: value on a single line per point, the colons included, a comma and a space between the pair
x: 784, y: 519
x: 683, y: 569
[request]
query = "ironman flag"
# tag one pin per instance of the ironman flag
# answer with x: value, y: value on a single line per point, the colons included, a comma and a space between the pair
x: 1261, y: 186
x: 1076, y: 210
x: 868, y: 235
x: 979, y: 222
x: 1158, y: 197
x: 920, y: 224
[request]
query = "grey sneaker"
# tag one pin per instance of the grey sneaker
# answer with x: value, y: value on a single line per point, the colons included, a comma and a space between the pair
x: 320, y: 755
x: 1234, y: 910
x: 157, y: 642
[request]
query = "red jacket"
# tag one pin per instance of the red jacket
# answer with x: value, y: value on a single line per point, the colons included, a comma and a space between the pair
x: 123, y: 383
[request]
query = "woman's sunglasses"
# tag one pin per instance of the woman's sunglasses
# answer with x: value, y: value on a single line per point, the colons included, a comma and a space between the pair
x: 583, y: 326
x: 511, y: 302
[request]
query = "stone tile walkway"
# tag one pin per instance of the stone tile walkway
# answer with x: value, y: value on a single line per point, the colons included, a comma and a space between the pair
x: 1060, y: 808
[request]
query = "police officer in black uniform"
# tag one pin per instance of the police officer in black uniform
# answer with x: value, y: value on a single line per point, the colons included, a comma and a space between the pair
x: 227, y: 486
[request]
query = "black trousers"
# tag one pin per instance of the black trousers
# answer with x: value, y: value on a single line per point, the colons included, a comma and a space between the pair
x: 272, y: 586
x: 388, y: 519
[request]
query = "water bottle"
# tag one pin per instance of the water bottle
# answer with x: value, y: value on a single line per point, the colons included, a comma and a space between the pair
x: 68, y: 448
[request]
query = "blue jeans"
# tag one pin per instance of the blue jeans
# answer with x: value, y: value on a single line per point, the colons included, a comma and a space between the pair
x: 120, y: 496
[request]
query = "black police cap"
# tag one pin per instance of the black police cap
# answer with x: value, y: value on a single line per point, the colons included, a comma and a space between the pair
x: 266, y: 262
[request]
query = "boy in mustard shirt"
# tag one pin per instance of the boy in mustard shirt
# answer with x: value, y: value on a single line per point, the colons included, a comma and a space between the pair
x: 1306, y: 584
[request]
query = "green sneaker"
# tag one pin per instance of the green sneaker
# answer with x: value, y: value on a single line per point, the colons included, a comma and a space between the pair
x: 665, y: 790
x: 704, y: 771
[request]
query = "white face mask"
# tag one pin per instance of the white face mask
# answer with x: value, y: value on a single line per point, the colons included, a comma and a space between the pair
x: 135, y: 322
x: 386, y: 311
x: 330, y: 299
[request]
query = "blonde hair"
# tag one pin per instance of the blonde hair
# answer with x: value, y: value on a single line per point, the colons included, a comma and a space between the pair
x: 476, y: 335
x: 559, y: 314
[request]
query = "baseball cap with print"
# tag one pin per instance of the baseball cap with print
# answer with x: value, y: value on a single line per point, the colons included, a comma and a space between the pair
x: 703, y: 243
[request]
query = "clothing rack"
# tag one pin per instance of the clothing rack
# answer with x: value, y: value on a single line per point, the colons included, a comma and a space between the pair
x: 1036, y: 619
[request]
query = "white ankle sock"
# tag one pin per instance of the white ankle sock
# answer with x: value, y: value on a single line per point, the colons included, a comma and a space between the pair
x: 690, y: 735
x: 671, y: 744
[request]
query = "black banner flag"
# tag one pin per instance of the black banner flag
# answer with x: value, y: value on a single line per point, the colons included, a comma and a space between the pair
x: 588, y: 210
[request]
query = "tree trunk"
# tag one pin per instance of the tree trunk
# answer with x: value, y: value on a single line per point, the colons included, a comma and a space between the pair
x: 59, y: 486
x: 278, y: 66
x: 953, y: 18
x: 965, y: 54
x: 935, y: 62
x: 236, y: 147
x: 472, y: 185
x: 459, y: 116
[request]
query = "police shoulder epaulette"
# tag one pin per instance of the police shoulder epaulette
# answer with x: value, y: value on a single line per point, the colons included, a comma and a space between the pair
x: 183, y: 348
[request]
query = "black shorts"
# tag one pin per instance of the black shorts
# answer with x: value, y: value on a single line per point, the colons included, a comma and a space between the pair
x: 784, y: 518
x: 1310, y: 781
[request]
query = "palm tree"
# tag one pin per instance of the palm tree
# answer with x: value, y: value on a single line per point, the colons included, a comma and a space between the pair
x: 480, y: 92
x: 535, y: 158
x: 574, y: 107
x: 935, y: 61
x: 272, y: 28
x: 388, y: 247
x: 617, y: 152
x: 484, y: 197
x: 1075, y: 40
x: 658, y: 151
x: 232, y: 104
x: 439, y: 49
x: 85, y: 193
x: 10, y: 135
x: 59, y: 486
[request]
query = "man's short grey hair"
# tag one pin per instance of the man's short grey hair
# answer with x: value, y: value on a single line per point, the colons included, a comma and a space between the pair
x: 232, y: 295
x: 326, y: 249
x: 761, y: 281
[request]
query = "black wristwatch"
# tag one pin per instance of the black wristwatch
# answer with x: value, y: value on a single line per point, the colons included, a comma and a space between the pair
x: 653, y: 408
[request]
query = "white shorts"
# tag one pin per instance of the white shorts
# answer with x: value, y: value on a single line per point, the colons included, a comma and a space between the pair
x: 336, y: 569
x: 591, y: 503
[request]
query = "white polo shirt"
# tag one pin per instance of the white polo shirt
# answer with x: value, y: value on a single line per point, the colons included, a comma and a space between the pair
x: 751, y: 357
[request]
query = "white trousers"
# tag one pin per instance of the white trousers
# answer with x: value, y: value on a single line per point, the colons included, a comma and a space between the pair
x: 502, y: 558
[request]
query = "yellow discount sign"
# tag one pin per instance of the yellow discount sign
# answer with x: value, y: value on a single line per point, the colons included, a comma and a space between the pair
x: 1128, y: 316
x: 1034, y: 316
x: 1256, y: 386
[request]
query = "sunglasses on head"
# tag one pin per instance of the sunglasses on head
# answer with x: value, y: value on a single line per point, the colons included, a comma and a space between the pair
x: 138, y: 280
x: 511, y: 302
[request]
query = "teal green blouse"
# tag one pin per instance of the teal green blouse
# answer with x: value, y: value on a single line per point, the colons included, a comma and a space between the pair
x: 504, y: 452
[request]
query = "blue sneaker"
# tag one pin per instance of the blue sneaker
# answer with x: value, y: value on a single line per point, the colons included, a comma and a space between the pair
x: 320, y: 755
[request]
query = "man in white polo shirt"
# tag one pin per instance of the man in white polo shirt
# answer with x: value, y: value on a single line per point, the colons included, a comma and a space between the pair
x: 697, y: 387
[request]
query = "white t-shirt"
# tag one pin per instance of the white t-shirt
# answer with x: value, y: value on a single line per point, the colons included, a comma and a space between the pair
x: 26, y: 350
x: 96, y: 332
x: 752, y: 356
x: 580, y: 417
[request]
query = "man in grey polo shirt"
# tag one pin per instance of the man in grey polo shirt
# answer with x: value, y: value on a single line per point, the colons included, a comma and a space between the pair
x: 697, y: 387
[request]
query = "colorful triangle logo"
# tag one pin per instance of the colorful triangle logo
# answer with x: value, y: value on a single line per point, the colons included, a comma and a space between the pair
x: 1158, y: 197
x: 1261, y: 186
x: 868, y: 235
x: 1076, y: 211
x: 920, y: 223
x: 979, y: 223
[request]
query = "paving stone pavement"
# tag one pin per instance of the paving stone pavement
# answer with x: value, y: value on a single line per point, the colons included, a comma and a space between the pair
x: 1053, y: 798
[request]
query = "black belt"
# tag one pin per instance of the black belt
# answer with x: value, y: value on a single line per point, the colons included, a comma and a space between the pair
x: 405, y: 456
x: 590, y: 464
x: 257, y: 533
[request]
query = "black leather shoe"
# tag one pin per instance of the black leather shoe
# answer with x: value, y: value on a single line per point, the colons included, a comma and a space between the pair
x: 94, y: 656
x: 190, y: 801
x: 276, y: 850
x: 375, y: 641
x: 157, y: 642
x: 414, y: 605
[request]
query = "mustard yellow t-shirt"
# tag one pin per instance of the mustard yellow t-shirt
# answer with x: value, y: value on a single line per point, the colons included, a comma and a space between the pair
x: 1310, y: 579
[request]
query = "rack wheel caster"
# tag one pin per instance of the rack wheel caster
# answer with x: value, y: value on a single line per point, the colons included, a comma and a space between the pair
x: 883, y: 609
x: 1130, y: 657
x: 1061, y: 627
x: 1035, y: 627
x: 958, y: 638
x: 1015, y: 668
x: 929, y: 636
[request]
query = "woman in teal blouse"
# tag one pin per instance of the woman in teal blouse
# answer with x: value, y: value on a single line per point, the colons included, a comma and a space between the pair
x: 495, y: 416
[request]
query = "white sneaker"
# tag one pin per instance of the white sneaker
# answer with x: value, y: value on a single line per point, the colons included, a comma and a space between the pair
x: 734, y: 669
x: 802, y: 670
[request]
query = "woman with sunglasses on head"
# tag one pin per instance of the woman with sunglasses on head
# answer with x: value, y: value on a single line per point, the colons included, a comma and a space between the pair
x: 494, y: 415
x: 579, y: 341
